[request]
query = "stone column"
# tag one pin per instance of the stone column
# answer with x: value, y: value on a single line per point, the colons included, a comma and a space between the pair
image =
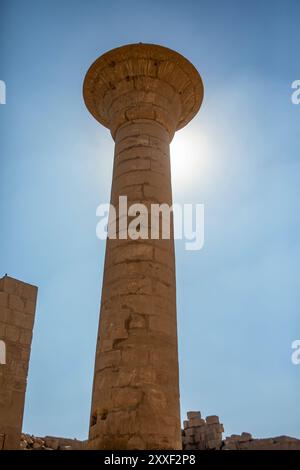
x: 143, y: 93
x: 17, y: 312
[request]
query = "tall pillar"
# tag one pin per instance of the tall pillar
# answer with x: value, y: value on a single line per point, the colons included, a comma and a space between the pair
x: 17, y: 312
x: 143, y: 93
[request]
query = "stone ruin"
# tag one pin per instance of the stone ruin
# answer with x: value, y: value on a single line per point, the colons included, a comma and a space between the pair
x: 197, y: 434
x: 206, y: 434
x: 29, y: 442
x: 143, y: 93
x: 17, y: 310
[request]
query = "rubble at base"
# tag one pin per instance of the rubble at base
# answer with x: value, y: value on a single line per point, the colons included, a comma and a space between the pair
x: 29, y: 442
x: 206, y: 434
x: 198, y: 434
x: 244, y: 442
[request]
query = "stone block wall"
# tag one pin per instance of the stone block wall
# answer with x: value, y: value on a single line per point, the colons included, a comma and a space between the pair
x: 201, y: 434
x: 29, y: 442
x: 206, y: 434
x: 17, y: 312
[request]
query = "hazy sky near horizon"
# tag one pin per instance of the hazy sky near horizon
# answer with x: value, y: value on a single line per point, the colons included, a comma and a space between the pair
x: 238, y: 298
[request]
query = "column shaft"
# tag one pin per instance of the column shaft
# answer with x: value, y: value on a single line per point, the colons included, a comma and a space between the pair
x: 135, y: 395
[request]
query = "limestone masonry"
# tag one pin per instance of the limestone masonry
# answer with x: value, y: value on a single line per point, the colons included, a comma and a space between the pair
x: 206, y: 434
x: 17, y: 311
x: 198, y: 434
x: 143, y: 93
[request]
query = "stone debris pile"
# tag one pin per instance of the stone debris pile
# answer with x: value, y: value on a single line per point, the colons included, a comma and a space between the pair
x: 206, y: 434
x: 198, y: 434
x: 201, y: 434
x: 246, y: 442
x: 29, y: 442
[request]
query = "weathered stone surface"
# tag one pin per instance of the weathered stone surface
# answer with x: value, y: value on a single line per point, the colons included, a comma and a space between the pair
x: 29, y: 442
x: 142, y: 93
x: 52, y: 442
x: 212, y: 419
x: 204, y: 437
x: 202, y: 434
x: 207, y: 435
x: 196, y: 422
x: 16, y: 323
x: 193, y: 414
x: 143, y: 81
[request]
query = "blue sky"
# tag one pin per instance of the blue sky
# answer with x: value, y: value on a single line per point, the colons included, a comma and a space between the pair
x: 238, y: 298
